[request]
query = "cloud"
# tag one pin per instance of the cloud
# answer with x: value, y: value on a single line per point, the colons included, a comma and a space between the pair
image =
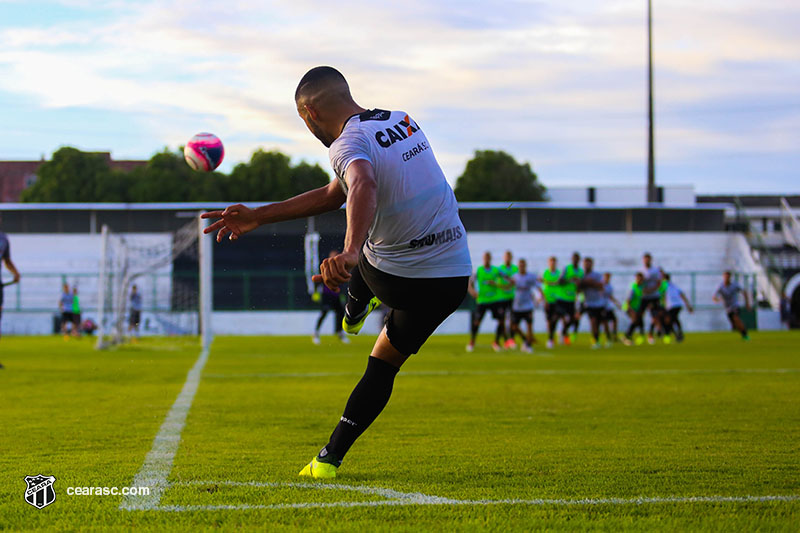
x: 555, y: 84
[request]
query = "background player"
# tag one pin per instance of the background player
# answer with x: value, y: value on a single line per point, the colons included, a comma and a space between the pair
x: 522, y: 308
x: 651, y: 298
x: 505, y: 296
x: 330, y: 301
x: 728, y: 293
x: 674, y: 298
x: 595, y: 298
x: 568, y: 296
x: 5, y: 259
x: 484, y: 288
x: 609, y: 315
x: 65, y: 306
x: 134, y: 312
x: 635, y: 310
x: 551, y: 290
x: 415, y: 259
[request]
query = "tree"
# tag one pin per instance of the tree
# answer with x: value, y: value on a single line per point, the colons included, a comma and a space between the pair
x: 495, y: 176
x: 74, y: 176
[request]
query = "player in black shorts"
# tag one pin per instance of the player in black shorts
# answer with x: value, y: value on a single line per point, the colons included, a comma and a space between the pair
x: 404, y: 245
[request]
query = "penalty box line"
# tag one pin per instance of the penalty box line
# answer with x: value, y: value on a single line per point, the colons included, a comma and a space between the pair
x: 397, y: 498
x: 158, y: 462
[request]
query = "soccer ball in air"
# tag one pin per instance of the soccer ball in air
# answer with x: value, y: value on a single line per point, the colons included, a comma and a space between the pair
x: 204, y: 152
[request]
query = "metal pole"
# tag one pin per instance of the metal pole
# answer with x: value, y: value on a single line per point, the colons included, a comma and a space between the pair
x: 101, y: 289
x: 651, y: 170
x: 206, y: 283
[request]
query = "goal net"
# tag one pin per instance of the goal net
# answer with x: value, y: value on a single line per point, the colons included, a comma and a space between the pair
x: 155, y: 285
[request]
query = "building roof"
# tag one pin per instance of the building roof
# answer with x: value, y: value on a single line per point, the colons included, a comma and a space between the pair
x: 750, y: 200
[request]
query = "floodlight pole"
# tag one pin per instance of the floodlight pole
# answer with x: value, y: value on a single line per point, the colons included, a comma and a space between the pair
x: 651, y: 170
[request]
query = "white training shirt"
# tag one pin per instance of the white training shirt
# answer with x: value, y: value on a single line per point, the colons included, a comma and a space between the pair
x: 523, y: 296
x: 652, y: 279
x: 673, y: 296
x: 416, y: 232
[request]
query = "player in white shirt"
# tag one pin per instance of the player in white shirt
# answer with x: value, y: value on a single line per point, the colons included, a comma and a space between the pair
x: 609, y: 315
x: 651, y: 299
x: 674, y: 298
x: 405, y: 245
x: 522, y: 307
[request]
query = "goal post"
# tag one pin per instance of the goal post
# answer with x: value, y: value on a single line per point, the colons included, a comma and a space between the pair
x: 172, y: 276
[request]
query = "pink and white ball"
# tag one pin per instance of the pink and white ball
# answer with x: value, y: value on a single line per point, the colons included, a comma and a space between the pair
x: 204, y: 152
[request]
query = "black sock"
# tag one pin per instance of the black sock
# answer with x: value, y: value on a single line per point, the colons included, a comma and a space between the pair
x: 499, y: 332
x: 367, y: 400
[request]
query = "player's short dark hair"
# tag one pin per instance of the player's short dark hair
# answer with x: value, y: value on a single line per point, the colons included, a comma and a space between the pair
x: 728, y: 272
x: 317, y: 78
x: 647, y: 254
x: 667, y: 276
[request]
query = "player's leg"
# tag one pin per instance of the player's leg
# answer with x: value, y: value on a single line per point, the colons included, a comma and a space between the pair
x: 499, y: 314
x: 675, y: 322
x: 475, y: 322
x: 529, y: 334
x: 552, y: 322
x: 737, y: 323
x: 410, y: 322
x: 594, y: 324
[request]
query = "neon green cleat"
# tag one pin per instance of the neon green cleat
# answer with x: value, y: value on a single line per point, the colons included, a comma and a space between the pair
x: 319, y: 470
x: 354, y: 327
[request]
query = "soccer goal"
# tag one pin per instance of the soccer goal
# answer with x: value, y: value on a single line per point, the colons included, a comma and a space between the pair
x: 155, y: 285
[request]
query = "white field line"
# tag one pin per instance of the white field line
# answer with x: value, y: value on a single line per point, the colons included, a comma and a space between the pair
x: 396, y: 498
x: 158, y: 461
x: 541, y: 372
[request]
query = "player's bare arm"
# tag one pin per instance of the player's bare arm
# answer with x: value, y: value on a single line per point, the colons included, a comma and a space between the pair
x: 239, y: 219
x: 361, y: 206
x: 12, y: 268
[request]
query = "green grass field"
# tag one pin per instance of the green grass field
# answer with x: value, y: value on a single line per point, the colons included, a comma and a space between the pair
x: 699, y: 436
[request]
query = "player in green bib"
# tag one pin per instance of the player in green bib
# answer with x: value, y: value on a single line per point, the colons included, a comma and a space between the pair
x: 573, y: 274
x: 635, y: 311
x: 552, y: 291
x: 505, y: 295
x: 485, y: 288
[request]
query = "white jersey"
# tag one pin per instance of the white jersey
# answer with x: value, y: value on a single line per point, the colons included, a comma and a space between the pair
x: 416, y: 232
x: 652, y: 279
x: 672, y: 298
x: 523, y: 296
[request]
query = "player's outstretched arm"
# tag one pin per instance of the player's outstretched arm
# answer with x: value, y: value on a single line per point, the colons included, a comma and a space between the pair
x: 361, y: 206
x: 238, y: 219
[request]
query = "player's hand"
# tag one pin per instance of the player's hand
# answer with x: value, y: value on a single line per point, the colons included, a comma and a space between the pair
x: 235, y: 220
x: 335, y: 271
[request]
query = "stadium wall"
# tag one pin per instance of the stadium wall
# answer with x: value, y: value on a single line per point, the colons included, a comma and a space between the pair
x: 696, y: 260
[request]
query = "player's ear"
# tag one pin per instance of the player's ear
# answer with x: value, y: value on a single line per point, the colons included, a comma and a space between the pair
x: 312, y: 111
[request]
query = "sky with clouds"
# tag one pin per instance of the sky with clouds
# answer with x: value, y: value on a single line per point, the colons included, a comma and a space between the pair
x: 561, y: 85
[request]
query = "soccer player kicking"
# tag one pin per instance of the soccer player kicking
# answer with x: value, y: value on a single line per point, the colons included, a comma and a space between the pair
x: 674, y: 298
x: 5, y: 258
x: 488, y: 279
x: 522, y: 308
x: 728, y: 293
x: 404, y: 246
x: 551, y: 289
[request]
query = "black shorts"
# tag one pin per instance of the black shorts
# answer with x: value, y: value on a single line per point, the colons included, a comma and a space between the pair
x: 674, y: 312
x: 66, y: 317
x: 134, y: 318
x: 653, y: 304
x: 566, y: 308
x: 331, y: 302
x: 480, y: 310
x: 732, y: 314
x: 519, y: 316
x: 76, y: 318
x: 596, y: 313
x: 609, y: 315
x: 502, y: 308
x: 418, y: 305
